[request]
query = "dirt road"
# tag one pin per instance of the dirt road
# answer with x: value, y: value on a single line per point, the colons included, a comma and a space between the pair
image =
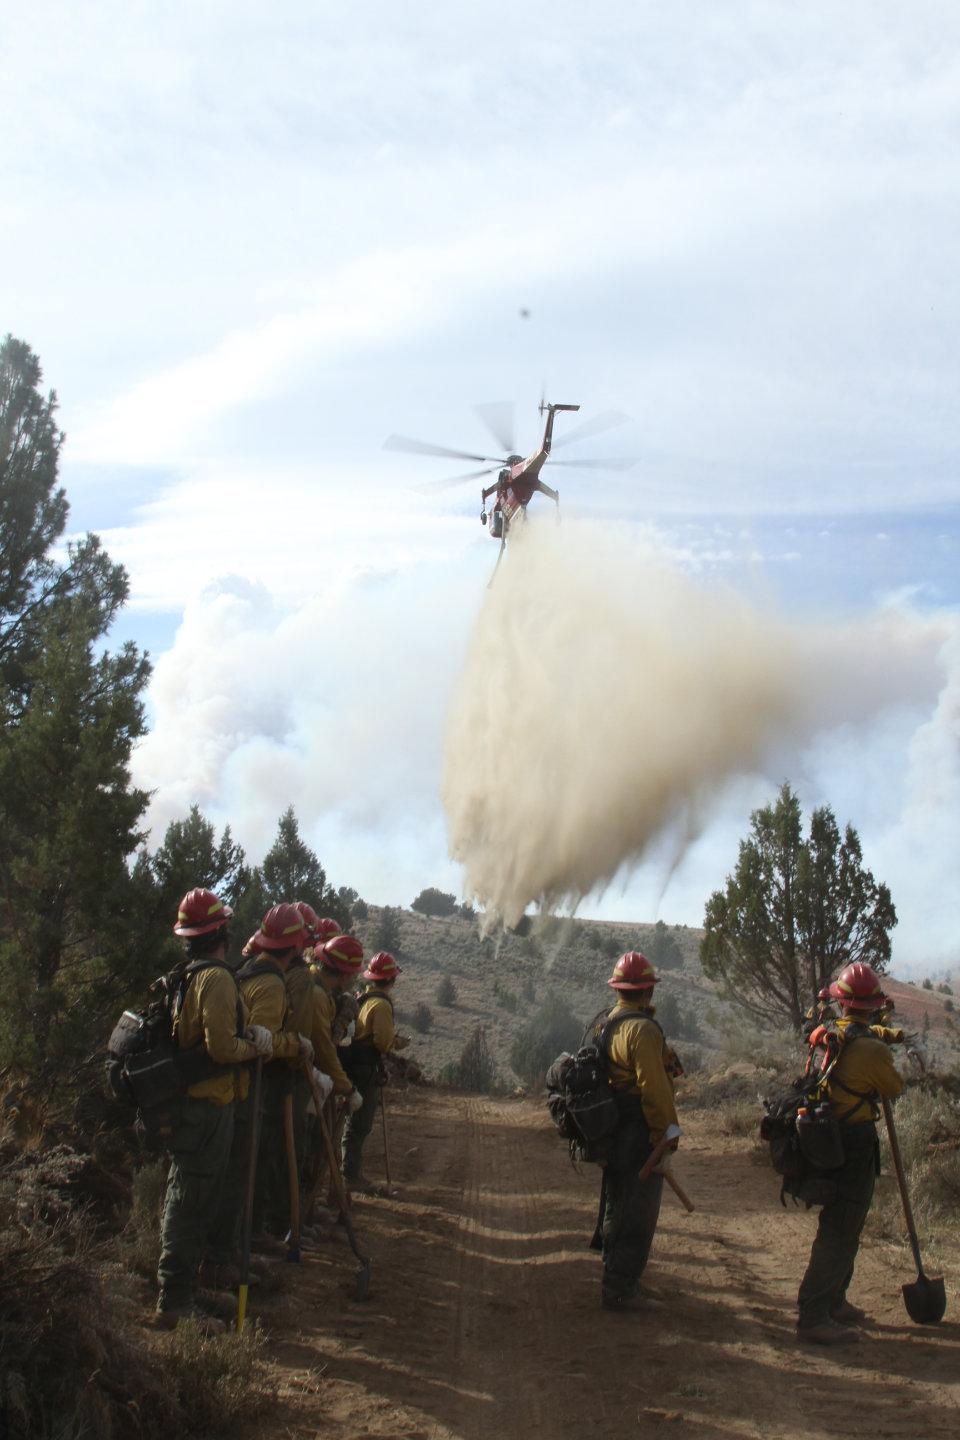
x: 484, y: 1318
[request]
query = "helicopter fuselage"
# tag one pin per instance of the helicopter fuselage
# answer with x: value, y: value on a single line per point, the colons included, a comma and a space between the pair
x: 519, y: 480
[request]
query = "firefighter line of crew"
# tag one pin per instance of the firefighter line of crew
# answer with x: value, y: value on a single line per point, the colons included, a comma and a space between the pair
x: 289, y: 1009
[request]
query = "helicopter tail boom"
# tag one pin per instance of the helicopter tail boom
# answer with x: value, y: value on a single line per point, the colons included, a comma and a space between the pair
x: 550, y: 411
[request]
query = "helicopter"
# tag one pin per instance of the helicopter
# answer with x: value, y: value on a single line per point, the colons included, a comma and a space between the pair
x: 518, y: 479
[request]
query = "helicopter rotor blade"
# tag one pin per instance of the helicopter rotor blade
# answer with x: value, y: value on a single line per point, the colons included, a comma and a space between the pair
x: 422, y: 447
x: 600, y: 423
x: 614, y: 464
x: 452, y: 480
x: 499, y: 418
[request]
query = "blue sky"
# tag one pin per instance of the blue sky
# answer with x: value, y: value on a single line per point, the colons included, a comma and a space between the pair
x: 249, y: 243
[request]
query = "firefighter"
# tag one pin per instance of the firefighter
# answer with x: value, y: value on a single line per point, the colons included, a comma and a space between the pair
x: 337, y: 963
x: 281, y: 937
x: 300, y: 997
x: 638, y: 1075
x: 376, y: 1035
x: 863, y: 1073
x: 212, y: 1019
x: 820, y: 1013
x: 336, y: 966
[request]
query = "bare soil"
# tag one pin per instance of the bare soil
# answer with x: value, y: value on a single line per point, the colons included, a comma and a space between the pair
x: 484, y: 1318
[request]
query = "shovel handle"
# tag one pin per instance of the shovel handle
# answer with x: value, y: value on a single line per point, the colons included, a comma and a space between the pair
x: 902, y: 1182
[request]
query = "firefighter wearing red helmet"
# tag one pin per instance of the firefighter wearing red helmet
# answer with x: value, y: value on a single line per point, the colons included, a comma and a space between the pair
x: 638, y: 1070
x: 376, y: 1035
x: 300, y: 998
x: 337, y: 964
x: 209, y: 1027
x: 262, y: 980
x: 863, y: 1073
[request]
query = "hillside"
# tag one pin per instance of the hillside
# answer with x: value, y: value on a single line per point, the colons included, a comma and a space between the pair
x: 502, y: 983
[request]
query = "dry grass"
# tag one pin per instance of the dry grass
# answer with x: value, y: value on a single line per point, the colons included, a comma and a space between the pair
x: 928, y: 1130
x: 140, y: 1240
x: 76, y: 1362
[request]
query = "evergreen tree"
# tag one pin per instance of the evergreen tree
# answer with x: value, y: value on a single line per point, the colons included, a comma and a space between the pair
x: 70, y: 711
x: 386, y: 935
x: 662, y: 949
x: 290, y: 869
x: 190, y: 856
x: 475, y: 1069
x: 794, y: 912
x: 435, y: 902
x: 446, y: 992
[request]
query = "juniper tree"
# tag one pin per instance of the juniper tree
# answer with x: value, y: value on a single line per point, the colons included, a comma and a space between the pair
x: 794, y: 912
x: 70, y: 710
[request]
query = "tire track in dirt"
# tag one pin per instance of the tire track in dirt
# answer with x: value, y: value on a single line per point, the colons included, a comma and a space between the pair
x: 484, y: 1316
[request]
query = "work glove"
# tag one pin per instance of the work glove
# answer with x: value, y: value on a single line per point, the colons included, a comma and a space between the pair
x: 260, y: 1036
x: 306, y: 1048
x: 349, y: 1033
x: 672, y: 1134
x: 323, y: 1083
x: 354, y: 1101
x: 400, y: 1042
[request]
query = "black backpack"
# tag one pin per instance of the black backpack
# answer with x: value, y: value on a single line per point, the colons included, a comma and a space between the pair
x: 581, y: 1102
x: 807, y: 1149
x: 145, y: 1067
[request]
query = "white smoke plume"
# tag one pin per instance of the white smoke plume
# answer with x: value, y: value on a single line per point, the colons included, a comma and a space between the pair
x: 607, y: 699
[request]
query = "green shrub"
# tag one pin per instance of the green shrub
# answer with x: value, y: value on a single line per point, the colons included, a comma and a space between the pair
x: 553, y: 1028
x: 422, y: 1019
x: 446, y: 992
x: 475, y: 1070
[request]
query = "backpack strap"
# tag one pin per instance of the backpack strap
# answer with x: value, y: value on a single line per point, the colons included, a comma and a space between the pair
x: 612, y: 1024
x: 369, y: 995
x: 836, y: 1042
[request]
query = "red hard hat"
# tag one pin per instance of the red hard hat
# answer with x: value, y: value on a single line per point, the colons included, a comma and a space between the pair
x: 280, y: 929
x: 633, y: 971
x: 343, y: 953
x: 824, y: 993
x: 858, y: 987
x: 382, y: 967
x: 310, y: 917
x: 326, y: 929
x: 200, y: 912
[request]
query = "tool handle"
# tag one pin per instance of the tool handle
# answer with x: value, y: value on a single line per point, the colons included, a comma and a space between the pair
x: 253, y: 1146
x: 293, y: 1178
x: 335, y: 1176
x: 653, y: 1159
x: 386, y: 1146
x: 678, y: 1190
x: 902, y: 1182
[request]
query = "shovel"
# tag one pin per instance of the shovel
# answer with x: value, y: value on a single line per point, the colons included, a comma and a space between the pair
x: 925, y: 1299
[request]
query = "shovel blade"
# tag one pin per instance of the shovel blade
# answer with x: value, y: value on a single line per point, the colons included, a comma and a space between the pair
x: 925, y: 1299
x: 362, y: 1291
